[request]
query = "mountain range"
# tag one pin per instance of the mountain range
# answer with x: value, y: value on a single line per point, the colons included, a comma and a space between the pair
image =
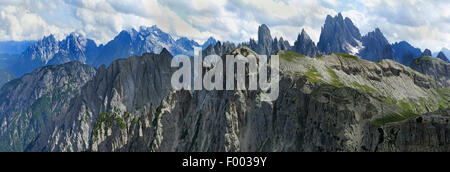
x: 350, y: 92
x: 333, y: 102
x: 339, y: 35
x: 76, y: 47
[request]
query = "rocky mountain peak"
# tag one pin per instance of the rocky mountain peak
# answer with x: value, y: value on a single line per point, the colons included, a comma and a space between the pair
x: 284, y: 44
x: 376, y: 47
x: 265, y: 41
x: 210, y: 41
x: 339, y: 35
x: 74, y: 42
x: 165, y: 53
x: 442, y: 56
x: 304, y: 45
x: 405, y: 53
x: 51, y: 38
x: 426, y: 52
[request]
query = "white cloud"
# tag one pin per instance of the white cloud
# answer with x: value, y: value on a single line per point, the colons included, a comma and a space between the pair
x: 425, y: 24
x: 18, y: 23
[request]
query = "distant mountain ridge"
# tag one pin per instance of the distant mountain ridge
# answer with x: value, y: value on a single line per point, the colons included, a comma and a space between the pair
x: 50, y: 51
x: 338, y: 35
x: 76, y: 47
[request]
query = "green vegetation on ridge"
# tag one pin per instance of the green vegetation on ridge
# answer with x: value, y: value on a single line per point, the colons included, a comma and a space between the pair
x: 313, y: 75
x: 289, y: 55
x: 334, y: 78
x: 363, y: 88
x: 347, y: 56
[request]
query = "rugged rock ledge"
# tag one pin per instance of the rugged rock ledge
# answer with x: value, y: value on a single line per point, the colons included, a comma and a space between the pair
x: 334, y: 102
x: 26, y: 104
x: 433, y: 67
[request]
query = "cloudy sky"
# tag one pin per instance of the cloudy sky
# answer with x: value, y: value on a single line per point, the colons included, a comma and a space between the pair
x: 423, y: 23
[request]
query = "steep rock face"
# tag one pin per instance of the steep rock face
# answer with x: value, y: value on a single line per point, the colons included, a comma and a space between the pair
x: 27, y: 103
x: 339, y: 35
x: 265, y: 41
x: 49, y: 51
x: 442, y: 56
x: 428, y: 132
x: 132, y: 85
x: 5, y: 76
x: 376, y: 47
x: 304, y: 45
x: 329, y: 103
x: 433, y: 67
x: 405, y: 53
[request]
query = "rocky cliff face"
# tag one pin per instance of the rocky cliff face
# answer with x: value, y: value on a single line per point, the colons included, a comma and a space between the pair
x: 433, y: 67
x: 132, y: 86
x: 428, y: 132
x: 376, y: 47
x: 265, y: 41
x: 332, y: 102
x: 339, y: 35
x: 304, y: 45
x: 27, y: 103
